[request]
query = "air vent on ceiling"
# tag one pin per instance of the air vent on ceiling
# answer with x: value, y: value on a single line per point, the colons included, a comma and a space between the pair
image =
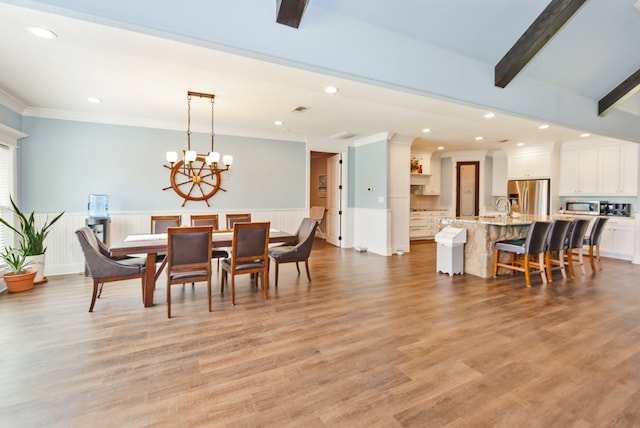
x: 503, y: 141
x: 299, y: 109
x: 342, y: 135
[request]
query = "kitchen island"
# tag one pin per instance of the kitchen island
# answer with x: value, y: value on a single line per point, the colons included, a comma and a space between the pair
x: 483, y: 232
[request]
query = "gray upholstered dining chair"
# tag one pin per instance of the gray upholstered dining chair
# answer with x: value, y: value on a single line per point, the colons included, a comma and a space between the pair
x: 104, y: 268
x: 593, y: 242
x: 249, y: 255
x: 575, y: 239
x: 556, y: 244
x: 532, y: 246
x: 298, y: 250
x: 188, y: 258
x: 210, y: 220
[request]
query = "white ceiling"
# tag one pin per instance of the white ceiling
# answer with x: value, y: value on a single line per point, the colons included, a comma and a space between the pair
x: 143, y: 79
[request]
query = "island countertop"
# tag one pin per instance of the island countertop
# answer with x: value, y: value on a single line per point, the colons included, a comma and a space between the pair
x: 483, y: 232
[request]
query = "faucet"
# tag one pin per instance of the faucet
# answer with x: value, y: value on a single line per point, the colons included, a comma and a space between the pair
x: 507, y: 207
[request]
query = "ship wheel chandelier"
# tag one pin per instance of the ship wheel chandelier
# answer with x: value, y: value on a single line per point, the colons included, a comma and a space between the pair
x: 197, y: 177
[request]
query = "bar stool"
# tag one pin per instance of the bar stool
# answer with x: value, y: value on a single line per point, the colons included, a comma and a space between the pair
x: 575, y: 238
x: 556, y: 243
x: 533, y: 245
x: 593, y: 242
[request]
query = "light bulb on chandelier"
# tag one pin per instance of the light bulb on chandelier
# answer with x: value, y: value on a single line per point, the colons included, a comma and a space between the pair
x: 197, y: 177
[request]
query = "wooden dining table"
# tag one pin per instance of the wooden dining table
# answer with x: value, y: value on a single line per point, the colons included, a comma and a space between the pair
x: 154, y: 244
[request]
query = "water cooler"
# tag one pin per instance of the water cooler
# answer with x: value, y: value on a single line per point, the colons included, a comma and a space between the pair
x: 98, y: 219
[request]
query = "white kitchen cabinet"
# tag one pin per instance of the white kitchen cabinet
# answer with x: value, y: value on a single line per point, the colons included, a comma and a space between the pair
x: 425, y: 224
x: 618, y: 237
x: 529, y: 165
x: 618, y: 169
x: 578, y: 171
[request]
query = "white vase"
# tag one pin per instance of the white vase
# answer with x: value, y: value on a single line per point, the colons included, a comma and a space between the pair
x: 37, y: 263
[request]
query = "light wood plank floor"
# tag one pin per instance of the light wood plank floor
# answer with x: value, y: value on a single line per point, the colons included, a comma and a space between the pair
x: 372, y: 342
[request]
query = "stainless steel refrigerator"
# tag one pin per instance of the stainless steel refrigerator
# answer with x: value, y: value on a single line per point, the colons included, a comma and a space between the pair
x: 529, y: 197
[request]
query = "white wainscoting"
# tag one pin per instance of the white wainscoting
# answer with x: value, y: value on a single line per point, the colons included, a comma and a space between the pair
x: 64, y: 255
x: 372, y: 230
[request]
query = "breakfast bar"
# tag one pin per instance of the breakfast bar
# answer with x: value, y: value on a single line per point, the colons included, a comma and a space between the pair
x: 483, y: 232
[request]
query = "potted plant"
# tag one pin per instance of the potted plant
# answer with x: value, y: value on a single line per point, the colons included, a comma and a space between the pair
x: 19, y: 278
x: 32, y: 238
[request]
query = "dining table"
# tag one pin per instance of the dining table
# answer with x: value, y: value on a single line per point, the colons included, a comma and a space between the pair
x: 154, y: 244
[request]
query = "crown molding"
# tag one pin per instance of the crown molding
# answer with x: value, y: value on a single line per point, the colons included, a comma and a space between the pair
x: 11, y: 102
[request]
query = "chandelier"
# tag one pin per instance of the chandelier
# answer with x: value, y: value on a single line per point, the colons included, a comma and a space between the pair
x: 197, y: 177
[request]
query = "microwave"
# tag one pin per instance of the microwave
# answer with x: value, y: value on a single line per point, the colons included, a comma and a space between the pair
x: 586, y: 207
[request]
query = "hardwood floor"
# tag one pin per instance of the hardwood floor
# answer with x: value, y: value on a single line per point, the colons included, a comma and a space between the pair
x: 372, y: 341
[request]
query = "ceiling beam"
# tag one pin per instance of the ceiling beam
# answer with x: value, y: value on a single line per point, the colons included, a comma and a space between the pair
x: 290, y: 12
x: 620, y: 94
x: 546, y: 25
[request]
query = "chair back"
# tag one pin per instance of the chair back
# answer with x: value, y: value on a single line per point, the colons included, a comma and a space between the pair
x: 596, y: 231
x: 537, y: 237
x: 317, y: 213
x: 250, y: 245
x: 305, y: 237
x: 189, y: 250
x: 160, y: 223
x: 578, y: 229
x: 558, y: 235
x: 205, y: 220
x: 99, y: 264
x: 237, y: 218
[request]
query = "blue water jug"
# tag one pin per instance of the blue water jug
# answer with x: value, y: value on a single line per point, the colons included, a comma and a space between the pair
x: 98, y: 206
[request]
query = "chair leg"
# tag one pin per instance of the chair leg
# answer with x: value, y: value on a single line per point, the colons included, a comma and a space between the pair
x: 277, y: 264
x: 572, y: 273
x: 496, y: 254
x: 562, y: 269
x: 298, y: 268
x: 581, y: 260
x: 527, y: 273
x: 265, y: 283
x: 222, y: 281
x: 541, y: 263
x: 547, y: 264
x: 95, y: 294
x: 592, y: 260
x: 209, y: 292
x: 100, y: 290
x: 598, y: 257
x: 233, y: 289
x: 169, y: 300
x: 306, y: 265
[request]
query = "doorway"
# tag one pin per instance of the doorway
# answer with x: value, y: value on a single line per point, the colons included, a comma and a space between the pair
x: 467, y: 189
x: 325, y: 178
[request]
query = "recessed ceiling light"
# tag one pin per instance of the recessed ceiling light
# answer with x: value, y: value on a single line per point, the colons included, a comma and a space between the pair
x: 278, y: 122
x: 94, y: 100
x: 543, y: 126
x: 330, y: 89
x: 426, y: 130
x: 585, y: 135
x: 479, y: 138
x: 42, y: 32
x: 520, y: 144
x: 441, y: 148
x: 489, y: 115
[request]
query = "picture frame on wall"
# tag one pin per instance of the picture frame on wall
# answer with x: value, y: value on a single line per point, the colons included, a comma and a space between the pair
x: 322, y: 186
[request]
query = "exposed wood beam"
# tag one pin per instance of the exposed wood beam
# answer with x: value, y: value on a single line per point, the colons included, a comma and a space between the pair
x: 552, y: 18
x: 620, y: 94
x: 290, y: 12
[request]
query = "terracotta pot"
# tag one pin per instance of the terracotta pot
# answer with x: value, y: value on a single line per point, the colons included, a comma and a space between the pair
x: 17, y: 282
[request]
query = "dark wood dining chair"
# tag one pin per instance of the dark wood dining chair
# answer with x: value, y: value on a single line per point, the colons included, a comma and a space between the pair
x: 210, y: 220
x: 104, y: 268
x: 232, y: 219
x: 188, y: 258
x: 249, y: 255
x: 575, y: 239
x: 297, y: 250
x: 555, y: 248
x: 521, y: 252
x: 160, y: 223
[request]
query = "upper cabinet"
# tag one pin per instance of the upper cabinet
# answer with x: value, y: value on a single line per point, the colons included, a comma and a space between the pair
x: 598, y: 169
x: 618, y: 169
x: 529, y: 164
x: 427, y: 183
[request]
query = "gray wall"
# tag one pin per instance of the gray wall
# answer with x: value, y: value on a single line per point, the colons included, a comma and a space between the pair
x: 370, y: 171
x: 62, y: 162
